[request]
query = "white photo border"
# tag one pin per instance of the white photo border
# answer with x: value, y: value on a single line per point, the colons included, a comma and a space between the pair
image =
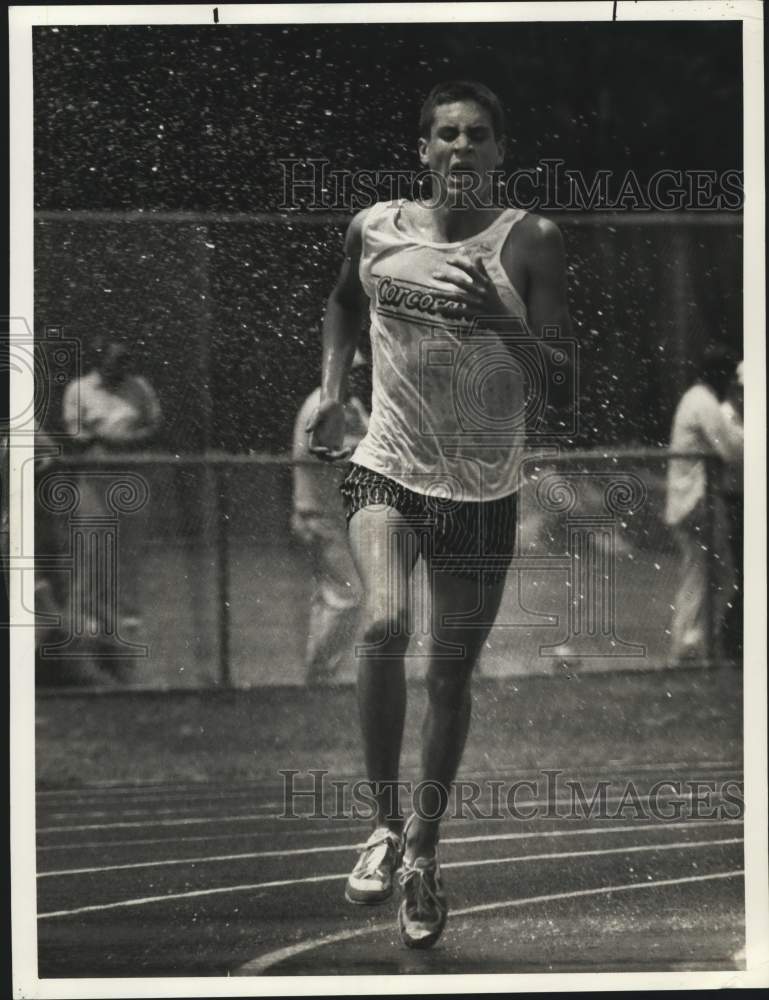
x: 23, y: 896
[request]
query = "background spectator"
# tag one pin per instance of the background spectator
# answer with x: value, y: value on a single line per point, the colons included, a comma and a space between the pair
x: 697, y: 512
x: 109, y: 410
x: 318, y: 521
x: 733, y: 479
x: 111, y: 407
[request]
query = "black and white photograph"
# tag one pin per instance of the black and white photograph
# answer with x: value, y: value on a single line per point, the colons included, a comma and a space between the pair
x: 384, y: 506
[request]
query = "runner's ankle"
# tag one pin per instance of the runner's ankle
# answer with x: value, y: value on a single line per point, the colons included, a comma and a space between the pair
x: 421, y: 840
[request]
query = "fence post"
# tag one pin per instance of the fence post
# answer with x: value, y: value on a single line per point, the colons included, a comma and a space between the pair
x: 221, y: 479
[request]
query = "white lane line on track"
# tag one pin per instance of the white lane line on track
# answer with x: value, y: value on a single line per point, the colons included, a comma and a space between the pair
x: 617, y: 770
x: 311, y: 879
x: 257, y: 966
x: 314, y: 831
x: 209, y: 836
x: 214, y: 792
x: 560, y: 855
x: 152, y: 788
x: 149, y: 813
x: 187, y: 821
x: 212, y: 801
x: 698, y: 769
x: 478, y: 839
x: 145, y: 804
x: 192, y: 820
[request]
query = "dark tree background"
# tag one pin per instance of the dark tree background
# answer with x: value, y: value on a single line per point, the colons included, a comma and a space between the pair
x: 224, y: 314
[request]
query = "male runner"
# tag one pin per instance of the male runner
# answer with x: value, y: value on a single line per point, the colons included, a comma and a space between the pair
x: 437, y: 473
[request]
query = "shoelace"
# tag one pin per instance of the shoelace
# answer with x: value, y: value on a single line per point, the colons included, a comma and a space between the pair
x: 378, y: 852
x: 408, y: 873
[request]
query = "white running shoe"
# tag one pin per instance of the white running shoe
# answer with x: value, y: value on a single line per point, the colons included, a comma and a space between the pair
x: 371, y: 880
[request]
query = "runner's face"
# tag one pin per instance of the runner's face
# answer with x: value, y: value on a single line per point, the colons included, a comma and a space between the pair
x: 462, y: 148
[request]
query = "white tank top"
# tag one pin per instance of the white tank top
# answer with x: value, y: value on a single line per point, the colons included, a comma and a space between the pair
x: 448, y: 400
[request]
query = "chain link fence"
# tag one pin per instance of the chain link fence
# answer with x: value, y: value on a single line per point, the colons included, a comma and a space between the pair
x: 157, y: 571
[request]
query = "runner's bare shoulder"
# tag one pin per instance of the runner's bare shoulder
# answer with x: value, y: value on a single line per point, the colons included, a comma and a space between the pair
x: 538, y: 233
x: 348, y: 289
x: 538, y: 241
x: 353, y: 240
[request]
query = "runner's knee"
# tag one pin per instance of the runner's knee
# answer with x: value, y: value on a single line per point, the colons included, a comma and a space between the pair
x: 386, y: 630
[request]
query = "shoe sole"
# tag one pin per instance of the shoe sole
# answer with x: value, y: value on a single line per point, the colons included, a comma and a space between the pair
x: 358, y: 898
x: 420, y: 943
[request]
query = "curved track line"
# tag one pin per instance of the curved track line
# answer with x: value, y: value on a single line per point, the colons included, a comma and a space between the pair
x: 298, y: 851
x: 218, y: 891
x: 257, y: 966
x: 281, y: 883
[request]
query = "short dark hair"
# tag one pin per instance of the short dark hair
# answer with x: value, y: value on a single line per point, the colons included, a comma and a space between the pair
x: 462, y: 90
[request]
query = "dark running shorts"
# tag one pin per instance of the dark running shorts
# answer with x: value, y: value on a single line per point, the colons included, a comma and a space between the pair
x: 463, y: 538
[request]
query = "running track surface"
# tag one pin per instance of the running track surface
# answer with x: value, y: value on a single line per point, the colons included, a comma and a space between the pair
x: 207, y: 879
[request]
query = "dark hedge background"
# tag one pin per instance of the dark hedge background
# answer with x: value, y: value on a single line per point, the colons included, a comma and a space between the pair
x: 197, y: 117
x: 224, y: 315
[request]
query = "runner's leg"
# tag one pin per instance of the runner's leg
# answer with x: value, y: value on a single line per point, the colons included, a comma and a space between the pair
x: 385, y: 548
x: 455, y: 647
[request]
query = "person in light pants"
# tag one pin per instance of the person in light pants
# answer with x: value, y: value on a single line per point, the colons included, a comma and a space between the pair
x: 732, y: 408
x: 698, y: 516
x: 318, y: 522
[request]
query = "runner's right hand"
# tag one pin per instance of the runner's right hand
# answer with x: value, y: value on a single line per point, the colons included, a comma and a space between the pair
x: 326, y: 429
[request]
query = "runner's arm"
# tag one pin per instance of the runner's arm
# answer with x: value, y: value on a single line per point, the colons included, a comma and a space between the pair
x: 341, y: 328
x: 344, y: 314
x: 547, y: 303
x: 550, y: 323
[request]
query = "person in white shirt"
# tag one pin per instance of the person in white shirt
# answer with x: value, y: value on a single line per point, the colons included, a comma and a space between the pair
x: 111, y: 407
x: 696, y: 511
x: 733, y: 477
x: 109, y: 410
x: 319, y: 523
